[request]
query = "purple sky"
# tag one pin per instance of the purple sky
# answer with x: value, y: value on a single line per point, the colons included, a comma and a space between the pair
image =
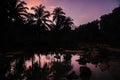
x: 81, y: 11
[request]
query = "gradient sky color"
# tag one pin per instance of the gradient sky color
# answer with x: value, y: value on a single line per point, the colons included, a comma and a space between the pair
x: 81, y: 11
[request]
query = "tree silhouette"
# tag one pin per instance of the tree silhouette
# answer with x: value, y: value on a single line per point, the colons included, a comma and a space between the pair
x: 41, y: 17
x: 30, y: 19
x: 58, y: 16
x: 67, y: 23
x: 110, y: 27
x: 16, y: 10
x: 88, y: 32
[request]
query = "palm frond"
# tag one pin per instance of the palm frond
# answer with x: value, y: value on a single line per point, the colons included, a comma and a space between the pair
x: 21, y: 4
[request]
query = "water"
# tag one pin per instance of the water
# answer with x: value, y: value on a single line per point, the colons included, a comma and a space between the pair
x: 58, y: 65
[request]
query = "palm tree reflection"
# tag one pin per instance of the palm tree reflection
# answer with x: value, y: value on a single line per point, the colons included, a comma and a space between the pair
x: 58, y: 70
x: 52, y: 66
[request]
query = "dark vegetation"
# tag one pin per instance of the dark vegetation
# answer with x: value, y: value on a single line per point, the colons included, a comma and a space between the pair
x: 21, y: 29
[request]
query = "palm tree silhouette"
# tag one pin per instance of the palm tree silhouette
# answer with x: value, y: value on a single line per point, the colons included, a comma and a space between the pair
x: 58, y: 16
x: 41, y: 17
x: 67, y: 24
x: 30, y: 19
x: 16, y: 10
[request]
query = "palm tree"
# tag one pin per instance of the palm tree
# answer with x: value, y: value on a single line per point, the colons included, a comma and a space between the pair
x: 16, y: 10
x: 30, y: 19
x: 58, y: 16
x: 41, y: 17
x: 67, y: 23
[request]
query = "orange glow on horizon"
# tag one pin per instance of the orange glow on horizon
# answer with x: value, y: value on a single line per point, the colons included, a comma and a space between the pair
x: 33, y: 3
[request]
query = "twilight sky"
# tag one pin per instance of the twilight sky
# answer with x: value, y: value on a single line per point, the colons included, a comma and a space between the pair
x: 81, y: 11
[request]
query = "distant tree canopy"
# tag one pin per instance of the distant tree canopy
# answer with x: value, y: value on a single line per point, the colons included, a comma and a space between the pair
x: 107, y: 29
x: 110, y: 25
x: 88, y: 32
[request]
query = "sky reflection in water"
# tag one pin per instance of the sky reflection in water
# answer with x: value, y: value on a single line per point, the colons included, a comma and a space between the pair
x: 64, y: 66
x: 96, y: 71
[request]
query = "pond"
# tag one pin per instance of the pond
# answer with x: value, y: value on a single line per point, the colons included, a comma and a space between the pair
x: 59, y: 65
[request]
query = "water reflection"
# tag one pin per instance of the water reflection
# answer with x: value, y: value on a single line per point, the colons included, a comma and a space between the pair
x: 86, y: 65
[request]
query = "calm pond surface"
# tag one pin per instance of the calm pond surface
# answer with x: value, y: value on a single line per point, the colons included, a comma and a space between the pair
x: 59, y: 65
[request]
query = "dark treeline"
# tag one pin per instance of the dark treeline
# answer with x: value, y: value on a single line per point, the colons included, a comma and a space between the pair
x: 19, y: 27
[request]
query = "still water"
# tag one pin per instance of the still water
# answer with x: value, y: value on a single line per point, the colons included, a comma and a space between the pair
x: 80, y: 65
